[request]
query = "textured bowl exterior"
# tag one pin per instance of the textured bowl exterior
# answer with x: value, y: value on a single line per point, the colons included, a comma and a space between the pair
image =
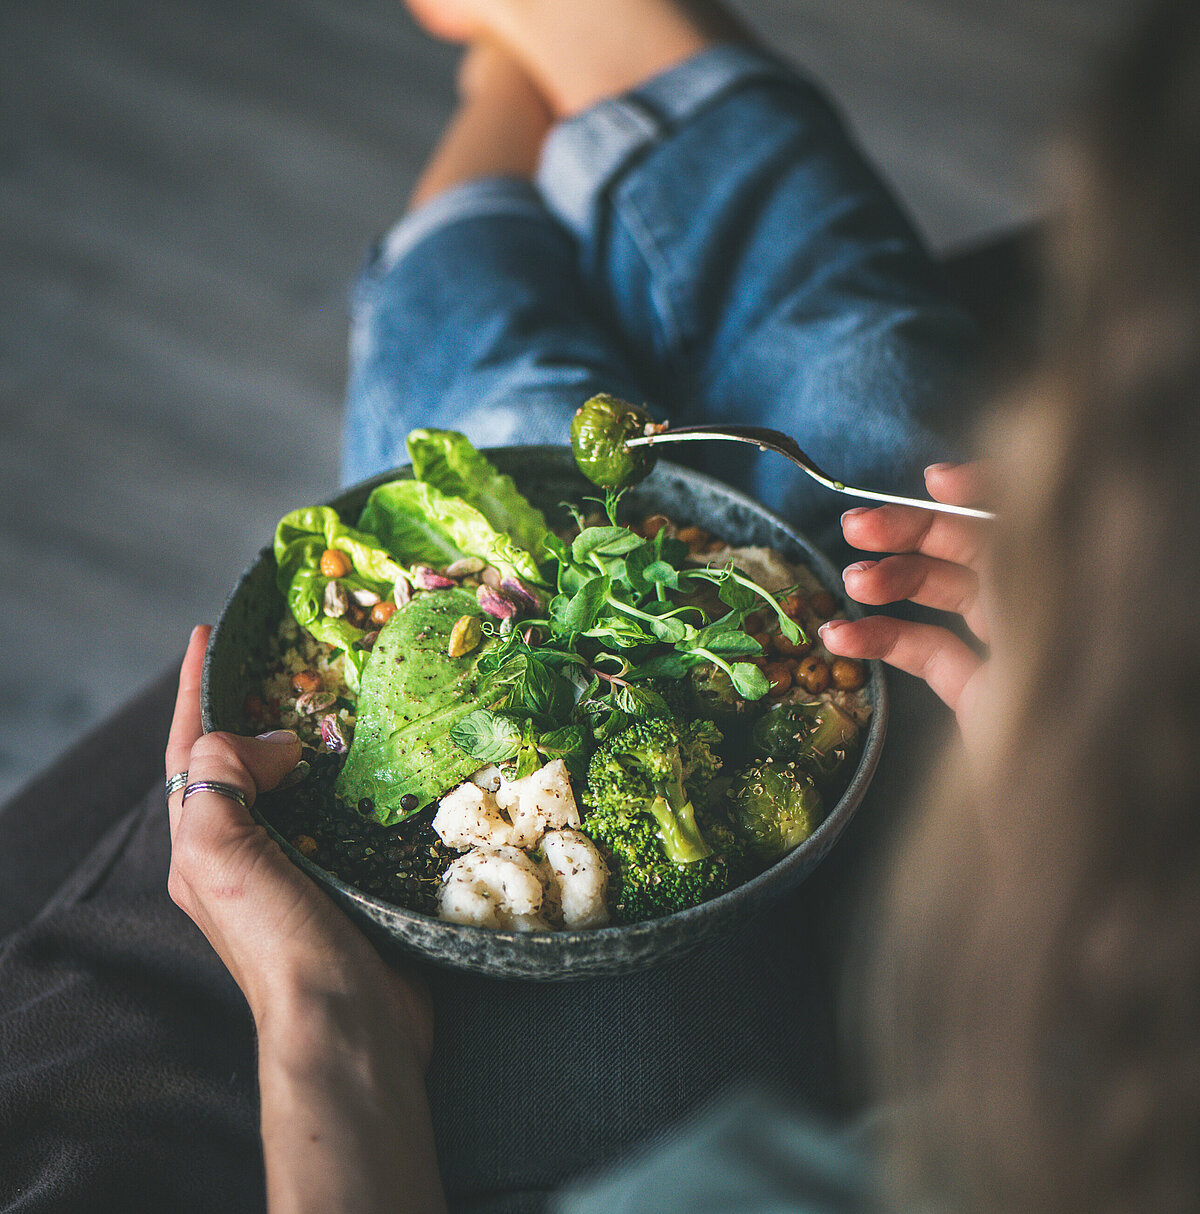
x: 548, y: 476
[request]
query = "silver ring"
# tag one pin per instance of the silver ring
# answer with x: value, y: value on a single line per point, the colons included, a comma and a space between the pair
x: 176, y: 782
x: 217, y: 786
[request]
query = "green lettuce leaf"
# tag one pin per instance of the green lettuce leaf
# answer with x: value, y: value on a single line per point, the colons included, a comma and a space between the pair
x: 303, y: 535
x: 423, y: 525
x: 446, y: 460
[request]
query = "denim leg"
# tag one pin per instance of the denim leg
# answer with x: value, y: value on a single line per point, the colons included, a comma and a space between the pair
x: 472, y: 316
x: 747, y: 251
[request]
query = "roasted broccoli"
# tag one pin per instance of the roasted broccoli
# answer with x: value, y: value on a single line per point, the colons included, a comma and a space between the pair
x: 643, y: 770
x: 641, y: 797
x: 644, y: 883
x: 774, y: 807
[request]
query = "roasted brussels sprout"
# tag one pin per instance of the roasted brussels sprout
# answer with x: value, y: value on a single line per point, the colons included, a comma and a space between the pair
x: 714, y: 696
x: 816, y: 735
x: 599, y: 432
x: 774, y: 807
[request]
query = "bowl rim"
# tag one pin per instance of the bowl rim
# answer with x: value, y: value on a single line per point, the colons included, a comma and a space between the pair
x: 726, y: 905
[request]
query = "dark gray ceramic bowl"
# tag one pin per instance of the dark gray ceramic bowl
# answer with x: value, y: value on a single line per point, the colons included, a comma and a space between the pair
x: 548, y: 475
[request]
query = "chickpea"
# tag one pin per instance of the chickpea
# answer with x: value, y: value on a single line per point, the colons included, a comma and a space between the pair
x: 813, y: 674
x: 763, y: 639
x: 306, y: 845
x: 823, y: 604
x: 652, y: 524
x: 715, y: 545
x: 793, y: 605
x: 754, y: 622
x: 847, y: 674
x: 382, y: 612
x: 304, y: 681
x: 694, y: 537
x: 789, y: 649
x: 335, y: 563
x: 779, y: 677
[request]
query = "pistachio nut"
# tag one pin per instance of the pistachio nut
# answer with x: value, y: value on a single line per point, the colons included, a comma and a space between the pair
x: 464, y: 636
x: 425, y: 578
x: 335, y: 601
x: 495, y: 603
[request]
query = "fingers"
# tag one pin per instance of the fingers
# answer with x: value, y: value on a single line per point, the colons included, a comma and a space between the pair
x: 941, y: 585
x: 924, y: 650
x: 185, y: 724
x: 945, y: 537
x: 957, y: 484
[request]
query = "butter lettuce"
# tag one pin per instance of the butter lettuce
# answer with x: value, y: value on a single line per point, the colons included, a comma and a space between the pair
x: 446, y: 460
x: 300, y: 538
x: 424, y: 525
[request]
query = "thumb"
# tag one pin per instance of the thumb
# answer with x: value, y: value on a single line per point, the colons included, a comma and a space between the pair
x: 253, y: 765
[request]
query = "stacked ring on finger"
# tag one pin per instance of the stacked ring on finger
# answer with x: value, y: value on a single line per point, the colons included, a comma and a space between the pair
x: 176, y: 782
x: 220, y: 788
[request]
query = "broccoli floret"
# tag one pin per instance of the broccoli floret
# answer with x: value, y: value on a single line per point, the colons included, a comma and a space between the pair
x: 774, y: 807
x: 641, y: 771
x: 644, y: 883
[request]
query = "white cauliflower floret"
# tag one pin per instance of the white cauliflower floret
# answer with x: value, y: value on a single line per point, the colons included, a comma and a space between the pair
x: 488, y: 777
x: 494, y: 887
x: 468, y: 816
x: 581, y: 876
x: 539, y: 802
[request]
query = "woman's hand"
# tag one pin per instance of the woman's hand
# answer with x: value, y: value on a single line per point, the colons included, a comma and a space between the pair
x: 344, y: 1040
x: 937, y: 564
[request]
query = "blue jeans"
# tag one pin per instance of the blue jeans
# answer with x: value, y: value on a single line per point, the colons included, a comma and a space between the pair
x: 711, y: 244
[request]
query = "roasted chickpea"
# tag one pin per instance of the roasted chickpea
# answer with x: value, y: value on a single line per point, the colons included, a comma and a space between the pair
x: 305, y: 681
x: 823, y: 604
x: 847, y: 674
x: 754, y: 622
x: 789, y: 649
x: 779, y: 676
x: 306, y: 845
x: 652, y: 524
x: 793, y: 605
x: 382, y: 612
x: 694, y: 537
x: 812, y: 674
x: 335, y: 563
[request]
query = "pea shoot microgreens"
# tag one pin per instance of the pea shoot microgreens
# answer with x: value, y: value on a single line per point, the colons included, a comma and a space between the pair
x: 619, y: 633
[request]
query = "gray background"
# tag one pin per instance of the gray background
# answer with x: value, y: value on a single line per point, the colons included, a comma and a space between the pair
x: 186, y: 190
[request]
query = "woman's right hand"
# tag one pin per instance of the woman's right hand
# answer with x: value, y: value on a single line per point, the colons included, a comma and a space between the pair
x: 936, y: 561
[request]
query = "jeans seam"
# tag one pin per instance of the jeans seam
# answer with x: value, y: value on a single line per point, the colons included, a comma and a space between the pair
x: 658, y: 267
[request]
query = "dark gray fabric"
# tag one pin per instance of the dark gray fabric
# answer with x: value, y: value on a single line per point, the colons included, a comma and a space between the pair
x: 129, y: 1058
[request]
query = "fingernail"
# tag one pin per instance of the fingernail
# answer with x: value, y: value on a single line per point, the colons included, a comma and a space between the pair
x: 854, y: 511
x: 830, y: 626
x: 859, y: 567
x: 937, y: 468
x: 279, y: 736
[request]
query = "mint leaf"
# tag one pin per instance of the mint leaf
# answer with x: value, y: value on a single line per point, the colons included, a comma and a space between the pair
x: 490, y: 737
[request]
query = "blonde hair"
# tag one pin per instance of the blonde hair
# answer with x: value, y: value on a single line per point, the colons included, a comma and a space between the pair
x: 1037, y: 983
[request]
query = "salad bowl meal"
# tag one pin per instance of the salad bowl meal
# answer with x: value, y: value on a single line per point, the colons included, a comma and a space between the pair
x: 549, y: 733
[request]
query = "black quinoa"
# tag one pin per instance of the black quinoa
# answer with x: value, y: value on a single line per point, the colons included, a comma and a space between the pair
x: 402, y: 864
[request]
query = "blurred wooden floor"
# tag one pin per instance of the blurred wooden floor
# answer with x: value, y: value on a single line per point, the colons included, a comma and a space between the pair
x: 186, y: 189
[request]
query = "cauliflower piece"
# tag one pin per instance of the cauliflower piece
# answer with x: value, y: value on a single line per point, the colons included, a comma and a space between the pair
x: 539, y: 802
x: 580, y: 875
x: 468, y: 816
x: 488, y: 777
x: 494, y: 887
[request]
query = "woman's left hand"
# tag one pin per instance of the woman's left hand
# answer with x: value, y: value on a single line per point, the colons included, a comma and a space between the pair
x: 278, y: 934
x: 343, y: 1039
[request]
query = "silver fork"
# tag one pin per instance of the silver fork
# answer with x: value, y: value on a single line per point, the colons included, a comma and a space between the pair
x: 775, y: 440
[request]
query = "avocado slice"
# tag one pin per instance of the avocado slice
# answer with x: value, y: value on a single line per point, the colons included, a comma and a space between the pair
x: 412, y: 694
